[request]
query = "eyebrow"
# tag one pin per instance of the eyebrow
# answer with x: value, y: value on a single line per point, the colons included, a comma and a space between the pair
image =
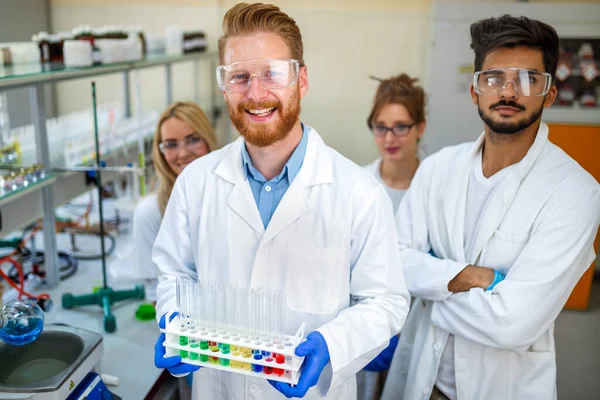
x: 393, y: 123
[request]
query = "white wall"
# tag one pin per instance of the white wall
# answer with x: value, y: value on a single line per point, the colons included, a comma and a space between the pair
x: 344, y: 41
x: 343, y: 46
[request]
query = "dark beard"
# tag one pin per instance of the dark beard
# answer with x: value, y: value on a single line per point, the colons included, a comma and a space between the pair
x: 509, y: 128
x: 260, y: 136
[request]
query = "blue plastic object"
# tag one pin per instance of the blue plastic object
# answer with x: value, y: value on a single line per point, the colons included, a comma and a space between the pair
x: 92, y: 388
x: 171, y: 364
x: 384, y: 359
x: 316, y: 354
x: 498, y: 277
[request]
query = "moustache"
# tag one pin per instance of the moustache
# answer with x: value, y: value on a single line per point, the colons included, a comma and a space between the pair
x: 504, y: 103
x: 253, y: 105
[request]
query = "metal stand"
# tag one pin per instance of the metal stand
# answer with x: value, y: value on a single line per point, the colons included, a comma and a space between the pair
x: 106, y: 296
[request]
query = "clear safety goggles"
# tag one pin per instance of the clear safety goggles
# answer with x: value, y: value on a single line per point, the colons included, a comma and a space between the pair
x: 191, y: 143
x: 272, y: 74
x: 525, y: 82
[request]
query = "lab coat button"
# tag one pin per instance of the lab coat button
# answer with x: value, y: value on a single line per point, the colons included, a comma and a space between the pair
x: 268, y: 188
x: 425, y: 390
x: 253, y: 388
x: 437, y: 347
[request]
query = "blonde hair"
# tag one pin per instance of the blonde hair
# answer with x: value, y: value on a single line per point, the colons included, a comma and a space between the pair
x: 191, y: 114
x: 247, y: 19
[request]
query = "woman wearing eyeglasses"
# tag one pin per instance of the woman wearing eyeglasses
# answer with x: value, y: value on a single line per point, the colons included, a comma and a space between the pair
x: 397, y: 121
x: 182, y: 135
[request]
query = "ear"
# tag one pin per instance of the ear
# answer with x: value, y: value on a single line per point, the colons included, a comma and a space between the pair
x: 474, y: 95
x: 421, y: 129
x: 551, y: 96
x: 303, y: 81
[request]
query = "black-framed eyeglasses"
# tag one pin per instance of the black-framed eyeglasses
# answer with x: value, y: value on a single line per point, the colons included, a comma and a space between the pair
x: 399, y: 130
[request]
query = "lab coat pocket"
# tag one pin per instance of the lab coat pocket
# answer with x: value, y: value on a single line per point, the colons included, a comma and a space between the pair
x: 313, y: 279
x: 503, y: 250
x: 533, y: 375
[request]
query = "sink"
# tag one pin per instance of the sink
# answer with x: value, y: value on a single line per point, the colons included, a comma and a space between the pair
x: 45, y: 364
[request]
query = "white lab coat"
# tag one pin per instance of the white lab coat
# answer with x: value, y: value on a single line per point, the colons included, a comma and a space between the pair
x: 538, y: 229
x: 146, y: 223
x: 331, y: 242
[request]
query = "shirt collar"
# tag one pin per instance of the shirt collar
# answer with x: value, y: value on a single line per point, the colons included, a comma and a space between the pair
x: 292, y: 167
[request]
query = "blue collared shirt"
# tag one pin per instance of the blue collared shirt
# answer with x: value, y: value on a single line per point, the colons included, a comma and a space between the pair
x: 268, y: 194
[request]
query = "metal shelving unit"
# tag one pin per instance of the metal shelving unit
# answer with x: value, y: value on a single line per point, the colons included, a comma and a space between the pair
x: 41, y: 199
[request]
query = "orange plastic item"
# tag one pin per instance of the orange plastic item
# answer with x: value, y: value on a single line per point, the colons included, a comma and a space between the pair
x: 582, y: 142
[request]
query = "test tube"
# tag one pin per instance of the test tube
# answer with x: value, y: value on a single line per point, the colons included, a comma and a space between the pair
x: 201, y: 307
x: 265, y: 316
x: 212, y: 307
x: 237, y: 315
x: 255, y: 311
x: 180, y: 296
x: 191, y: 301
x: 223, y: 312
x: 230, y: 309
x: 246, y: 316
x: 278, y: 318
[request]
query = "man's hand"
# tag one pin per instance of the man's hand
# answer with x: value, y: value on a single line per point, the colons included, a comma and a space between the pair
x: 471, y: 277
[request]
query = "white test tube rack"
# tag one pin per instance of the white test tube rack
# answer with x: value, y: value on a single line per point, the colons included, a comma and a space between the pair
x: 285, y: 367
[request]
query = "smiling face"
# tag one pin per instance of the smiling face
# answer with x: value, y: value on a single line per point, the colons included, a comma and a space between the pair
x: 392, y: 147
x: 189, y: 144
x: 508, y: 112
x: 263, y: 116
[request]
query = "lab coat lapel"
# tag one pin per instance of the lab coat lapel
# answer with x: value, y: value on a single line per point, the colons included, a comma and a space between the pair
x: 455, y: 200
x: 503, y: 197
x: 295, y: 200
x: 241, y: 200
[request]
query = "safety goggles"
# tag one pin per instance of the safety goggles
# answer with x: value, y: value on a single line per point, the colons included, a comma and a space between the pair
x: 191, y: 143
x: 525, y: 82
x: 272, y: 74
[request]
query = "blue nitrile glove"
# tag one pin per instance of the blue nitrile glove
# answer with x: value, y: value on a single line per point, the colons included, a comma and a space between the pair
x: 498, y: 277
x: 384, y: 359
x: 314, y: 348
x: 171, y: 364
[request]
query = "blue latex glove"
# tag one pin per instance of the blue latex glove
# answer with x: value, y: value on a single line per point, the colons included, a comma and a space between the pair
x: 384, y: 359
x: 314, y: 348
x: 498, y: 277
x: 171, y: 364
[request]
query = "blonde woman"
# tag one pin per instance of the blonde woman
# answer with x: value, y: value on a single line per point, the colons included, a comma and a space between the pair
x: 182, y: 135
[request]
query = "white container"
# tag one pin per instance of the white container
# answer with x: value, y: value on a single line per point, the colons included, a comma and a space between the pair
x: 174, y: 40
x: 78, y: 53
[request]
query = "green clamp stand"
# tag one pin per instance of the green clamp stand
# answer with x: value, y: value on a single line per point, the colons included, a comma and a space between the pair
x: 104, y: 298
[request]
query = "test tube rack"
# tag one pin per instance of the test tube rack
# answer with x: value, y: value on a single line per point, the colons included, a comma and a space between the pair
x: 277, y: 362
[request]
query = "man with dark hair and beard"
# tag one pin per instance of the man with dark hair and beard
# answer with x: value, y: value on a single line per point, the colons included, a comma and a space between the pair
x: 279, y: 210
x: 494, y: 235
